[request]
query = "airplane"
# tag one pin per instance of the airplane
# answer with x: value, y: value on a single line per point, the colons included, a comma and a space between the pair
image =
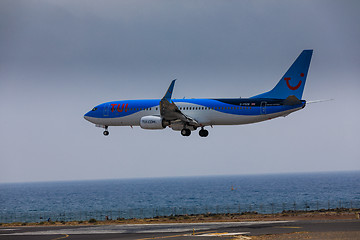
x: 187, y: 115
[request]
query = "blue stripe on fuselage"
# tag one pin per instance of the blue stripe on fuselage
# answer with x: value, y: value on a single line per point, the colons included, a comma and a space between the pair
x: 236, y: 106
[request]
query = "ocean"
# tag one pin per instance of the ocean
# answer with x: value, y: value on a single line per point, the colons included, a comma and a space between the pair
x: 141, y: 198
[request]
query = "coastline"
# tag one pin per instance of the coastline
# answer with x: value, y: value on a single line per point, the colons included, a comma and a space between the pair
x: 331, y: 214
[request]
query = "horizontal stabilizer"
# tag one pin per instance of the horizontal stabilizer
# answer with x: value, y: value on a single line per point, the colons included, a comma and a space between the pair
x: 291, y: 100
x: 318, y: 101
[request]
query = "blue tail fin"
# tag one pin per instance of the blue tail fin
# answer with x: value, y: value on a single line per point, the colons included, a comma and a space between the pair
x: 293, y: 81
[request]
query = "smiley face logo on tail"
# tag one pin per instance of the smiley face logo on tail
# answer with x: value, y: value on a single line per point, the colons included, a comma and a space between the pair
x: 287, y: 79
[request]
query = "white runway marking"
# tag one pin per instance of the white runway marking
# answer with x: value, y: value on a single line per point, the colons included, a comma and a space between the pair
x: 222, y: 234
x: 142, y: 228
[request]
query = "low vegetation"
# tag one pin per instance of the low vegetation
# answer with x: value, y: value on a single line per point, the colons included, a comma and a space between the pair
x: 322, y: 214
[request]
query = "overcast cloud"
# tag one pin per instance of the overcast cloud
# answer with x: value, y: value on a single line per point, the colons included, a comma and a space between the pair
x: 58, y: 59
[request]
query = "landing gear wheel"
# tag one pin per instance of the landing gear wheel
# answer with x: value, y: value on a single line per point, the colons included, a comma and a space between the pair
x: 106, y: 132
x: 203, y: 133
x: 185, y: 132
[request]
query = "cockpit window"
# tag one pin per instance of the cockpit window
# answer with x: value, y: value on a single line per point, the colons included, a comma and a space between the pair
x: 94, y: 109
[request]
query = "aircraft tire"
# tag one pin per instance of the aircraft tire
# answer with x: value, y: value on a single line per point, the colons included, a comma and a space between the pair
x: 185, y: 132
x: 203, y: 133
x: 106, y: 133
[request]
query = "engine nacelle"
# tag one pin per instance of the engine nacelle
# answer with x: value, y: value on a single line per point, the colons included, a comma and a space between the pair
x: 152, y: 122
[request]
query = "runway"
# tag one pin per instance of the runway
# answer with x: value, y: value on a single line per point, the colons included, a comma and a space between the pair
x: 218, y: 230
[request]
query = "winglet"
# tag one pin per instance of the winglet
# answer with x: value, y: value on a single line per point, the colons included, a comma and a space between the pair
x: 170, y: 91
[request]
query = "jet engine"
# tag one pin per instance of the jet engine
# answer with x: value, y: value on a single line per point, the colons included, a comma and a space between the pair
x: 152, y: 122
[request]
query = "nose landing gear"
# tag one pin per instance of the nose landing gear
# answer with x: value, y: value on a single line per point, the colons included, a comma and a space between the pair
x: 106, y: 132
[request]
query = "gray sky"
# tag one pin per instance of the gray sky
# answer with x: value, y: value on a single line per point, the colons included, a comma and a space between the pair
x: 58, y: 59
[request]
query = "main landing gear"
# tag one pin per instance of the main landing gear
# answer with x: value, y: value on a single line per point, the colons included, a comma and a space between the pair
x: 106, y: 132
x: 186, y: 132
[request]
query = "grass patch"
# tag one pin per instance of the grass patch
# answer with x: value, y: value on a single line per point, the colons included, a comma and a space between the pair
x: 92, y: 220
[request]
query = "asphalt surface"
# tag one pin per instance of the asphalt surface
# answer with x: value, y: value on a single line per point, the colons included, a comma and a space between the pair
x: 176, y: 231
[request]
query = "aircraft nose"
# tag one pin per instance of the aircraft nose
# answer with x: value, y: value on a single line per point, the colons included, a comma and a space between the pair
x: 87, y: 117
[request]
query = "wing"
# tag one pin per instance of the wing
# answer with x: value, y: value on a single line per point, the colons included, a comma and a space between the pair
x: 171, y: 113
